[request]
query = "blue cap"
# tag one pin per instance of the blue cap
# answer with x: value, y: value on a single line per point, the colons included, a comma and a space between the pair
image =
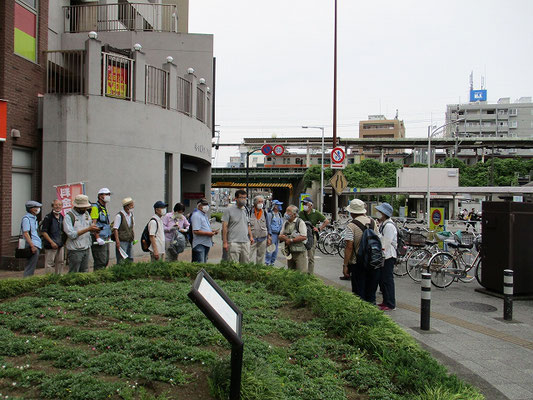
x: 160, y: 204
x: 277, y: 202
x: 307, y: 200
x: 385, y: 208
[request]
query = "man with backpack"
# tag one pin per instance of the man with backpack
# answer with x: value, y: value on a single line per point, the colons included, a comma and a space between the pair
x: 52, y: 231
x: 312, y: 218
x: 260, y: 228
x: 389, y: 240
x: 156, y: 232
x: 294, y: 234
x: 361, y: 258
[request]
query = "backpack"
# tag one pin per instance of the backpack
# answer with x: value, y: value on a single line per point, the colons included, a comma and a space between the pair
x: 310, y: 236
x: 145, y: 237
x: 370, y: 253
x: 177, y: 244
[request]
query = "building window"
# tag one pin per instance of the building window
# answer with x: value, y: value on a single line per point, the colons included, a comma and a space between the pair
x: 25, y: 43
x: 168, y: 178
x: 513, y: 124
x: 22, y: 178
x: 513, y: 111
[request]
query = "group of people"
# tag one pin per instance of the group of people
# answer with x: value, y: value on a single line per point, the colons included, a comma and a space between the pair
x: 254, y: 235
x: 365, y: 281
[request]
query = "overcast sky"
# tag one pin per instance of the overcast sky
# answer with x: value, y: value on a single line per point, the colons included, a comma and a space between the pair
x: 275, y: 61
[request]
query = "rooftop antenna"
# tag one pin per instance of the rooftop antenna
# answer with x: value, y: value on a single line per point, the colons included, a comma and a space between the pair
x: 472, y: 80
x: 396, y: 117
x: 482, y: 82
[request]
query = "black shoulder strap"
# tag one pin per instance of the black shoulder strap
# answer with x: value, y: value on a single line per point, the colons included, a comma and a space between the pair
x: 297, y: 224
x: 360, y: 225
x: 156, y: 225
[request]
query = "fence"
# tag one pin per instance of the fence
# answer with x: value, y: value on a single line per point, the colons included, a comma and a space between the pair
x: 65, y: 71
x: 121, y: 16
x: 156, y: 83
x: 117, y: 73
x: 200, y: 105
x: 184, y: 96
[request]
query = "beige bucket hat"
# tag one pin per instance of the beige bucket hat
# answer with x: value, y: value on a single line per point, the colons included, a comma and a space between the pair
x: 356, y: 206
x: 81, y: 201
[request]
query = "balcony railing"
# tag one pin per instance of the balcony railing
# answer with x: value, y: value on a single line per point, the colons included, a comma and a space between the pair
x: 65, y: 71
x: 156, y: 83
x: 143, y: 17
x: 184, y: 96
x: 200, y: 105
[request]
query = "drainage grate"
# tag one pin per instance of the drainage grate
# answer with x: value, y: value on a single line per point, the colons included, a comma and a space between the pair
x: 473, y: 306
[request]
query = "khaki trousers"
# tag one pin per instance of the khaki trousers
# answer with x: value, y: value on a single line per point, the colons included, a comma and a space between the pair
x: 311, y: 260
x: 54, y: 260
x: 298, y: 261
x: 258, y: 251
x: 239, y: 252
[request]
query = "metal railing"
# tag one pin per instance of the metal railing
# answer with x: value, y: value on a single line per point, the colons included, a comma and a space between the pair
x: 121, y: 16
x: 117, y: 73
x: 156, y: 86
x: 184, y: 96
x: 200, y: 105
x: 209, y: 115
x: 65, y: 71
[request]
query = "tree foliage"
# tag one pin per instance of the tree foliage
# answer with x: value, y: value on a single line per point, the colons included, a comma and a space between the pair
x: 371, y: 173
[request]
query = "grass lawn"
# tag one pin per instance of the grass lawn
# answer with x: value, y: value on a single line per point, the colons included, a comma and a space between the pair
x: 131, y: 332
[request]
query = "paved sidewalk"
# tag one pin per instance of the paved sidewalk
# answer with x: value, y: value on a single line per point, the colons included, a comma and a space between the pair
x: 467, y: 334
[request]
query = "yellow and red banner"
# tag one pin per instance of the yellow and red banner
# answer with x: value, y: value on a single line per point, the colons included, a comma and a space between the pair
x: 117, y: 81
x: 25, y: 33
x: 3, y: 120
x: 67, y: 193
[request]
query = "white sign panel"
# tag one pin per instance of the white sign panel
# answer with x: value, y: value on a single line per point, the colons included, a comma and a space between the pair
x: 220, y: 305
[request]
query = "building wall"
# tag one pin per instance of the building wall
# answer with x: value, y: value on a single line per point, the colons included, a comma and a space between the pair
x: 417, y: 177
x: 121, y: 145
x: 381, y: 128
x: 21, y: 81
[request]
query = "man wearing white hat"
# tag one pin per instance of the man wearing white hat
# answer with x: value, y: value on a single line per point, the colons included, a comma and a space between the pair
x: 123, y: 231
x: 78, y: 224
x: 99, y: 213
x: 364, y: 282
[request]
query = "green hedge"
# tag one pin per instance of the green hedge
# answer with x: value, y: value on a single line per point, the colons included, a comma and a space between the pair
x: 414, y: 371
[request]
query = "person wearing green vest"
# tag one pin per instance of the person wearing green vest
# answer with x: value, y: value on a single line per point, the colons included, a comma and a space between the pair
x: 123, y: 231
x: 315, y: 217
x: 100, y: 240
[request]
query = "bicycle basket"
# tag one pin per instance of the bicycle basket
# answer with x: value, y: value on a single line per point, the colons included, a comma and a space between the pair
x: 415, y: 239
x: 466, y: 238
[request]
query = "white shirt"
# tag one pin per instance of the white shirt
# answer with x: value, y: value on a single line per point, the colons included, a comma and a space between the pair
x: 118, y: 219
x: 389, y: 239
x: 156, y: 228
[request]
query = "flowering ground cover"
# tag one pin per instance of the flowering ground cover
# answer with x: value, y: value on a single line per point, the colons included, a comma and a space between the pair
x: 130, y: 332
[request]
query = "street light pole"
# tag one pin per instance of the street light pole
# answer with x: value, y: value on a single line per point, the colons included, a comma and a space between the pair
x: 321, y: 205
x: 430, y: 135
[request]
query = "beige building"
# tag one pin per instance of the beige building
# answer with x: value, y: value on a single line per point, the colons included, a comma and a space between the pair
x: 379, y: 127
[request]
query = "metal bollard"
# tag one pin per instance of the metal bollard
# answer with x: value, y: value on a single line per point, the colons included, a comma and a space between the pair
x: 508, y: 294
x: 425, y: 303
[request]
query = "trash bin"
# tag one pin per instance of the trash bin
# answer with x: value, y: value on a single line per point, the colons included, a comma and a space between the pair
x: 507, y: 229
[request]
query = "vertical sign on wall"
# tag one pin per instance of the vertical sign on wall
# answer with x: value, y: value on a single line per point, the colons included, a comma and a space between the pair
x: 66, y: 194
x: 25, y: 33
x: 117, y: 80
x: 3, y: 120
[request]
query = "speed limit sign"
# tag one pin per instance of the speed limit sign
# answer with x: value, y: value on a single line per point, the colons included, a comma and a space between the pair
x: 337, y: 155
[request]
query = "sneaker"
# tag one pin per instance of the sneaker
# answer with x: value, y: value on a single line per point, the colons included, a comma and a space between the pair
x: 385, y: 308
x: 381, y: 304
x: 343, y: 278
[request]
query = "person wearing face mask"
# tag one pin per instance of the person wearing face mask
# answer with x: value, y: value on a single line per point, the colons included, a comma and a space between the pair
x: 294, y: 234
x: 51, y: 229
x: 99, y: 213
x: 236, y: 233
x: 276, y: 222
x: 202, y: 233
x: 156, y: 230
x: 260, y: 227
x: 123, y: 230
x: 29, y: 229
x: 314, y: 217
x: 389, y: 241
x: 174, y: 222
x: 78, y: 227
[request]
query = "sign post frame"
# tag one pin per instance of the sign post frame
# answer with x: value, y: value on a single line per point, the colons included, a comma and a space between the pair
x: 212, y: 312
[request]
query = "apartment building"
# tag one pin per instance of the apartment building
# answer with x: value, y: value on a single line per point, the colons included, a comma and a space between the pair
x: 379, y: 127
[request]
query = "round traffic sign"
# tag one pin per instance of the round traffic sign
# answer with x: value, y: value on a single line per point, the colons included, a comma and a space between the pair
x: 436, y: 216
x: 279, y: 149
x: 266, y: 149
x: 338, y: 155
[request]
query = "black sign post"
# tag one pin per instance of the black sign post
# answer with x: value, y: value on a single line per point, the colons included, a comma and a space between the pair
x: 227, y: 318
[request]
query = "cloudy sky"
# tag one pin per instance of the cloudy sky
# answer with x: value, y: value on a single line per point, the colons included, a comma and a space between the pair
x: 275, y: 61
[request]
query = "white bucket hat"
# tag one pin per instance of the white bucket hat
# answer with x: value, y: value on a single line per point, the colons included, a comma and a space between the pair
x: 356, y: 206
x: 81, y: 201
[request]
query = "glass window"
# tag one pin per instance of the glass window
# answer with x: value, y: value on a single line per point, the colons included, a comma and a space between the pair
x: 21, y: 186
x: 25, y: 32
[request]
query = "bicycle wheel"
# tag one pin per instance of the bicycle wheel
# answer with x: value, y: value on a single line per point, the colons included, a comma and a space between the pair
x: 442, y: 268
x: 416, y: 263
x: 320, y: 243
x: 479, y: 271
x: 400, y: 267
x: 330, y: 243
x: 341, y: 246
